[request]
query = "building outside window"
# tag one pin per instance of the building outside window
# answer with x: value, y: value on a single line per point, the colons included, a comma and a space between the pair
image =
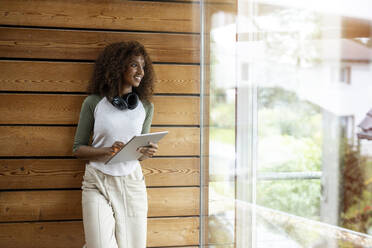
x: 285, y: 86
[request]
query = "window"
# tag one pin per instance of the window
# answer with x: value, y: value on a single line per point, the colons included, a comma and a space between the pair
x: 285, y: 165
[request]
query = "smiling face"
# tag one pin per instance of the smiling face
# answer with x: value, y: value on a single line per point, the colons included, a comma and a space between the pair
x: 134, y: 73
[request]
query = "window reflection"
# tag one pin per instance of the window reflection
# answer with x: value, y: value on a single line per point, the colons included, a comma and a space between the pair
x: 290, y: 157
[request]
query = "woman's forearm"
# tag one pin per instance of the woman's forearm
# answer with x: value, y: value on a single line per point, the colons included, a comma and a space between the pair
x: 104, y: 153
x: 93, y: 154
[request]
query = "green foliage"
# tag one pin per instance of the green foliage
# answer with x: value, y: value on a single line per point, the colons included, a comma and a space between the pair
x: 223, y: 115
x: 282, y: 112
x: 359, y: 216
x: 289, y: 154
x: 298, y: 197
x: 357, y: 198
x: 220, y: 231
x: 223, y: 135
x: 289, y: 131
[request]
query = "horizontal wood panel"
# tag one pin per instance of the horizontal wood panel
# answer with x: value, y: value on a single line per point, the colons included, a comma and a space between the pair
x: 65, y: 109
x: 171, y: 171
x: 58, y: 141
x: 85, y: 45
x: 190, y: 1
x: 179, y: 141
x: 68, y: 173
x: 182, y: 247
x: 74, y: 77
x: 41, y: 173
x: 205, y: 1
x: 173, y: 231
x: 161, y: 232
x: 351, y: 28
x: 127, y: 15
x: 177, y: 79
x: 173, y: 201
x: 66, y: 204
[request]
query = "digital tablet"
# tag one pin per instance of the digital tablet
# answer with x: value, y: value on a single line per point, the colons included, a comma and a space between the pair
x: 129, y: 151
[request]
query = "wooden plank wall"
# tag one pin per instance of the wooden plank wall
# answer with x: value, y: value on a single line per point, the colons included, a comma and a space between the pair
x: 47, y: 49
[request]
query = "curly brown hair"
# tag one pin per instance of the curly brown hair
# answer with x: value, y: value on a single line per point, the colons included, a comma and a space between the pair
x: 112, y: 63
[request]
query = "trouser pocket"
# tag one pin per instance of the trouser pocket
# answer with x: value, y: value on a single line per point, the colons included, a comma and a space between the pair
x: 136, y: 197
x: 89, y: 179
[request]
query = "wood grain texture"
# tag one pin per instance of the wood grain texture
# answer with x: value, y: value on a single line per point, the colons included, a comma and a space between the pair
x: 177, y: 79
x: 179, y: 141
x: 41, y: 173
x: 65, y: 109
x: 189, y: 1
x: 66, y: 204
x: 68, y: 173
x: 41, y: 141
x: 85, y: 45
x: 173, y: 201
x: 53, y: 42
x: 179, y: 231
x: 74, y: 77
x: 172, y: 171
x: 209, y: 3
x: 353, y: 28
x: 206, y: 1
x: 97, y: 14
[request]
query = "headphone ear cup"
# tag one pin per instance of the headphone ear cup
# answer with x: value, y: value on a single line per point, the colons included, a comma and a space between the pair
x: 132, y: 100
x: 119, y: 103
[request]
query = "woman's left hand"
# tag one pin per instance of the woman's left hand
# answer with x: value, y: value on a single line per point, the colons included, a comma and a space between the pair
x: 148, y: 151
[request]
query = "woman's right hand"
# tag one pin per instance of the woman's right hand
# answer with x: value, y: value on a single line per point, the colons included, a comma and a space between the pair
x: 98, y: 154
x: 116, y: 147
x: 110, y: 151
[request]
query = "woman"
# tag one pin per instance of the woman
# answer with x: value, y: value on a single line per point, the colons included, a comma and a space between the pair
x: 114, y: 196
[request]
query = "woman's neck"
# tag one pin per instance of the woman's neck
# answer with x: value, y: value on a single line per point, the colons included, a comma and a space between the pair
x: 126, y: 90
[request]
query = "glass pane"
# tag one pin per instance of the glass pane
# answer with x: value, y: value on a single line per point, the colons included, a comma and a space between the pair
x: 299, y: 197
x: 288, y: 110
x: 219, y: 101
x: 309, y: 74
x: 288, y: 117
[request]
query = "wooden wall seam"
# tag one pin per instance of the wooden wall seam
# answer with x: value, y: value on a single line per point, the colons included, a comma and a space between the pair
x: 66, y: 204
x: 64, y: 173
x: 60, y: 44
x: 161, y: 232
x: 65, y: 109
x: 51, y: 77
x: 40, y: 141
x: 47, y: 50
x: 127, y: 15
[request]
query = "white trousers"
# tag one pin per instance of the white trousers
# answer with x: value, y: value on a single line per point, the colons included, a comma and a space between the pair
x: 114, y: 209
